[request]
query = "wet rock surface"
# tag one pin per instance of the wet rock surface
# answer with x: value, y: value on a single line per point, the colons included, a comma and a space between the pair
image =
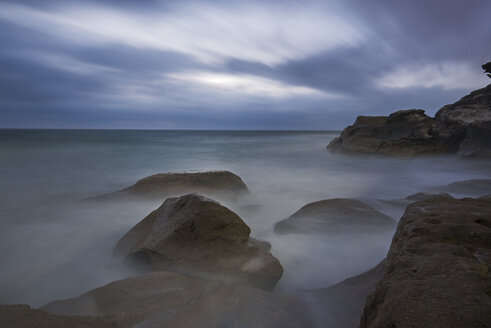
x: 438, y: 268
x: 197, y: 236
x: 335, y: 215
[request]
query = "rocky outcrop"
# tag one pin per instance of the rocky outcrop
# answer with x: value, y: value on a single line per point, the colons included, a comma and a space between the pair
x: 463, y: 127
x: 335, y: 215
x: 403, y: 133
x: 164, y: 299
x: 438, y: 270
x: 158, y: 186
x: 476, y: 141
x: 419, y: 196
x: 199, y: 237
x: 472, y: 187
x: 22, y: 316
x: 473, y: 108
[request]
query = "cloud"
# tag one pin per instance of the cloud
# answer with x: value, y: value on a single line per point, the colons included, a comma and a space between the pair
x: 242, y: 84
x: 213, y: 34
x: 445, y: 75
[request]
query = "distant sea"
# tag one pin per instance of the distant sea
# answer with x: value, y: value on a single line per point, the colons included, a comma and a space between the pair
x: 53, y: 244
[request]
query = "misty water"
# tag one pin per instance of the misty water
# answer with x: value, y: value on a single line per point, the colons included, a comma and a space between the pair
x: 54, y: 244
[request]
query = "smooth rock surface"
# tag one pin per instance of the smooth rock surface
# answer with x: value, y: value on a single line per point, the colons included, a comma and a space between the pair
x: 23, y: 316
x: 438, y: 268
x: 197, y: 236
x: 403, y: 133
x: 223, y: 184
x: 164, y: 299
x: 335, y: 215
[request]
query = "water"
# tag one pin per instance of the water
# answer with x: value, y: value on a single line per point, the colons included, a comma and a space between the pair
x: 54, y: 245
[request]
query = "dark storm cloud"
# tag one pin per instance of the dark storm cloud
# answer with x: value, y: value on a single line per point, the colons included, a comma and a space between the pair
x: 234, y: 64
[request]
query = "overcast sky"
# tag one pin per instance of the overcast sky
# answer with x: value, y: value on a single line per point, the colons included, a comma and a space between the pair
x: 235, y: 64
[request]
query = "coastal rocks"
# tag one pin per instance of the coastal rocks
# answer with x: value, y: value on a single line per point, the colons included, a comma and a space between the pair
x: 199, y: 237
x: 164, y: 299
x: 22, y: 316
x: 335, y: 215
x: 476, y: 142
x: 473, y: 108
x: 212, y: 183
x: 463, y: 127
x: 472, y: 187
x: 341, y: 305
x: 438, y: 268
x: 403, y: 133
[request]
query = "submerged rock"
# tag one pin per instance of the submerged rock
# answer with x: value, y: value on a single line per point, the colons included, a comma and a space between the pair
x: 404, y: 133
x: 22, y: 316
x: 438, y: 268
x: 164, y: 299
x: 199, y: 237
x: 211, y: 183
x: 334, y: 215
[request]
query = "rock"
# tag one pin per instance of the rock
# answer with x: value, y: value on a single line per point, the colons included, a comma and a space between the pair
x: 335, y: 215
x: 341, y: 305
x: 22, y: 316
x: 164, y: 299
x: 472, y: 187
x: 477, y: 140
x: 403, y: 133
x: 473, y: 108
x: 438, y: 268
x: 199, y: 237
x: 419, y: 196
x: 159, y: 186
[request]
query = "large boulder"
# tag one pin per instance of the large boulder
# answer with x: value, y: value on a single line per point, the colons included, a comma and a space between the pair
x: 473, y: 108
x: 158, y: 186
x: 403, y: 133
x: 199, y: 237
x: 335, y: 215
x: 22, y: 316
x: 438, y: 268
x: 164, y: 299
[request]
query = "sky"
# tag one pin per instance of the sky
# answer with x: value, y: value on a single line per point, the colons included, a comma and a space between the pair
x: 152, y: 64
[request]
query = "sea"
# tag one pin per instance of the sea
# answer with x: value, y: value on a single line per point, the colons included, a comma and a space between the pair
x: 55, y: 244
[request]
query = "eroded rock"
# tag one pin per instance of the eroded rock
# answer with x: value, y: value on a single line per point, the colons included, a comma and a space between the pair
x: 473, y: 108
x: 199, y: 237
x: 438, y: 268
x: 403, y: 133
